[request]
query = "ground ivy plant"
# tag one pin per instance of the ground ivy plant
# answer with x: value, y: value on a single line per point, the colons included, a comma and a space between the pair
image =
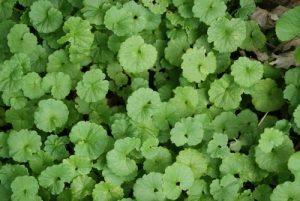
x: 149, y: 100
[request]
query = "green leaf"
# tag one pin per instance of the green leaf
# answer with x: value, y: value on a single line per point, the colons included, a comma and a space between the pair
x: 52, y: 83
x: 227, y: 35
x: 255, y: 38
x: 20, y: 40
x: 50, y: 115
x: 136, y: 56
x: 286, y: 191
x: 288, y: 25
x: 93, y: 86
x: 9, y: 172
x: 104, y: 191
x: 246, y: 72
x: 193, y: 159
x: 209, y: 11
x: 32, y: 86
x: 119, y: 159
x: 225, y: 93
x: 266, y: 96
x: 6, y: 9
x: 56, y: 146
x: 188, y: 131
x: 45, y: 17
x: 94, y: 10
x: 225, y: 188
x: 143, y: 104
x: 80, y: 37
x: 23, y: 144
x: 54, y: 177
x: 149, y: 187
x: 90, y: 139
x: 25, y: 188
x: 177, y: 177
x: 197, y: 65
x: 82, y: 186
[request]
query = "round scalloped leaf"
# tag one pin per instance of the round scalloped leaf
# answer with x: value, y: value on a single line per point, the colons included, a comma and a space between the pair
x: 224, y: 93
x: 288, y: 25
x: 149, y: 187
x: 105, y: 191
x: 227, y: 35
x: 40, y: 161
x: 246, y: 72
x: 9, y: 172
x: 119, y: 160
x: 156, y: 6
x: 136, y: 56
x: 292, y: 91
x: 184, y: 7
x: 53, y: 82
x: 177, y: 177
x: 225, y: 188
x: 286, y: 191
x: 22, y: 60
x: 82, y: 186
x: 187, y: 131
x: 82, y: 164
x: 94, y: 10
x: 56, y: 146
x: 127, y: 20
x: 24, y: 188
x: 10, y: 76
x: 209, y: 10
x: 217, y: 147
x: 20, y: 40
x: 193, y: 159
x: 55, y: 176
x: 142, y: 104
x: 273, y: 157
x: 149, y: 147
x: 227, y: 123
x: 255, y: 37
x: 90, y: 139
x: 197, y: 65
x: 50, y: 115
x: 32, y: 86
x: 266, y: 96
x: 45, y: 17
x: 23, y: 144
x: 159, y: 161
x: 270, y: 139
x: 15, y: 99
x: 292, y: 76
x: 93, y: 86
x: 79, y: 35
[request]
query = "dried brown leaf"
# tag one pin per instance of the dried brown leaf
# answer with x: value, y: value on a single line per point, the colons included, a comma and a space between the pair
x: 284, y: 60
x: 282, y: 47
x: 277, y: 12
x: 262, y: 17
x: 267, y: 19
x: 261, y: 56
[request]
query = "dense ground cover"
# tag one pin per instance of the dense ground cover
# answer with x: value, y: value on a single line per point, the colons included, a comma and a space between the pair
x: 149, y: 100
